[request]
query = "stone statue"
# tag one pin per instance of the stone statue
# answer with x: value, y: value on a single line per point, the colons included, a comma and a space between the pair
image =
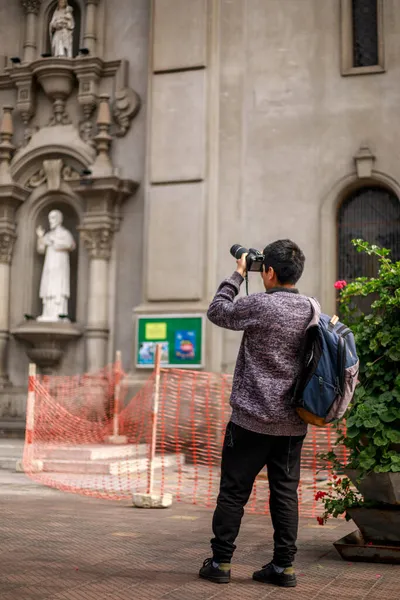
x: 62, y: 27
x: 54, y: 285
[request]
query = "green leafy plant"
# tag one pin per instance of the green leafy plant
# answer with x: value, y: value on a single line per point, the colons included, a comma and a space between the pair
x: 372, y: 434
x: 373, y: 420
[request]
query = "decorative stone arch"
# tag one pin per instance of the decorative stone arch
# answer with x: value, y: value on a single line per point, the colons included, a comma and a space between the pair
x: 73, y: 150
x: 329, y: 211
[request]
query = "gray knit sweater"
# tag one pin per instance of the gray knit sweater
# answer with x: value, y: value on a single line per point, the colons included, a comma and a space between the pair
x: 268, y: 361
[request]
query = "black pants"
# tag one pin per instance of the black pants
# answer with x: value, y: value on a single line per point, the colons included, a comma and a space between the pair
x: 244, y: 455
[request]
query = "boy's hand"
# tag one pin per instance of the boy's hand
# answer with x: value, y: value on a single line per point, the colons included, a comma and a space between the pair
x: 241, y: 265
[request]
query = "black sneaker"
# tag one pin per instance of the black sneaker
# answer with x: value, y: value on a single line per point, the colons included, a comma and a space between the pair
x: 268, y: 574
x: 220, y: 574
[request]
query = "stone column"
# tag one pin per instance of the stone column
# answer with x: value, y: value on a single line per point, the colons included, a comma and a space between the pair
x: 6, y: 146
x: 90, y: 38
x: 104, y: 194
x: 11, y: 196
x: 7, y: 239
x: 31, y: 8
x: 98, y: 242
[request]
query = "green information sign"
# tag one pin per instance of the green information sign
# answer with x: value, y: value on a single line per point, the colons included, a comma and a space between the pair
x: 181, y: 338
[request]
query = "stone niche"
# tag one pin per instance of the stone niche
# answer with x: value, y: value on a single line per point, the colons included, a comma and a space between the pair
x: 46, y: 342
x: 77, y: 36
x: 70, y: 106
x: 71, y: 223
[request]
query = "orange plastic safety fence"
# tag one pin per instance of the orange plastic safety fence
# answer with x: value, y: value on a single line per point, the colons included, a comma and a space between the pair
x: 75, y: 442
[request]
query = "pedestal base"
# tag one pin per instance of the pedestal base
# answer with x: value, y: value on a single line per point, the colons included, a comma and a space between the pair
x: 46, y: 341
x: 13, y: 405
x: 353, y: 547
x: 43, y: 319
x: 380, y: 525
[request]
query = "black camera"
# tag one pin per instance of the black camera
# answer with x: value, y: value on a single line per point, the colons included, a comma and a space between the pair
x: 254, y: 258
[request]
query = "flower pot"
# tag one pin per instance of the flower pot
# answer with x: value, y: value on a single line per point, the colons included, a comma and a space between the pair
x: 377, y: 524
x: 377, y: 487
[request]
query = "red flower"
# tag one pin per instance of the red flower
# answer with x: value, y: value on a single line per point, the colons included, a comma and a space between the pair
x: 320, y: 495
x: 320, y: 520
x: 339, y: 481
x: 334, y: 477
x: 339, y: 285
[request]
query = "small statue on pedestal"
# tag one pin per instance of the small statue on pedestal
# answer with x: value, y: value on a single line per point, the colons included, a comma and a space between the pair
x: 55, y: 283
x: 62, y: 27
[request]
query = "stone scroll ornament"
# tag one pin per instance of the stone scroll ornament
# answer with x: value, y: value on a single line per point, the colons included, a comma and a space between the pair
x: 125, y: 108
x: 55, y: 282
x: 61, y: 28
x: 52, y: 172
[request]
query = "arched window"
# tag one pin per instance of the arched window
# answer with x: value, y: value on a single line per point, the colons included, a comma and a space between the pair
x: 372, y: 214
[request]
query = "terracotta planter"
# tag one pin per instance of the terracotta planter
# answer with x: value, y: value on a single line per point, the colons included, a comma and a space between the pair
x: 377, y: 524
x: 377, y: 487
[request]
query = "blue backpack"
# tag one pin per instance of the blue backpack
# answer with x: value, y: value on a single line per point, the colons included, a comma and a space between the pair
x: 328, y: 379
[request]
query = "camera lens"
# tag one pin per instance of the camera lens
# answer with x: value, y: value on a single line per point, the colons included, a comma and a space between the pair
x: 237, y: 250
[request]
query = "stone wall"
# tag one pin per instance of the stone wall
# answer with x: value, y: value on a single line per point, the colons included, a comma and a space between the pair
x: 247, y: 132
x: 290, y: 125
x: 127, y: 36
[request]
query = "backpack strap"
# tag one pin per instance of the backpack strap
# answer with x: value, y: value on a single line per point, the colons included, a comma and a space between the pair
x: 316, y: 309
x: 307, y: 350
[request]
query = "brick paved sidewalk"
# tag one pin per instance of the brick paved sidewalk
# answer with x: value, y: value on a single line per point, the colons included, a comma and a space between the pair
x: 64, y: 547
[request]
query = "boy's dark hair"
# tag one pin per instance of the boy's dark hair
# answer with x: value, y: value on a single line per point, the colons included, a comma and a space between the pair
x: 287, y: 260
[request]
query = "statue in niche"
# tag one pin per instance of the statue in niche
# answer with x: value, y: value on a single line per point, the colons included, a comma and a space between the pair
x: 55, y: 283
x: 62, y: 27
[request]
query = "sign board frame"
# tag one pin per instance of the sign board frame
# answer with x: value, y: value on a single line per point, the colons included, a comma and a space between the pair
x: 160, y: 318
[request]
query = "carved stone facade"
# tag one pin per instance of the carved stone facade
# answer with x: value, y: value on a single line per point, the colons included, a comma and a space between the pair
x: 53, y: 172
x: 125, y: 108
x: 98, y: 242
x: 7, y: 240
x: 57, y: 77
x: 31, y: 6
x: 237, y: 123
x: 55, y: 154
